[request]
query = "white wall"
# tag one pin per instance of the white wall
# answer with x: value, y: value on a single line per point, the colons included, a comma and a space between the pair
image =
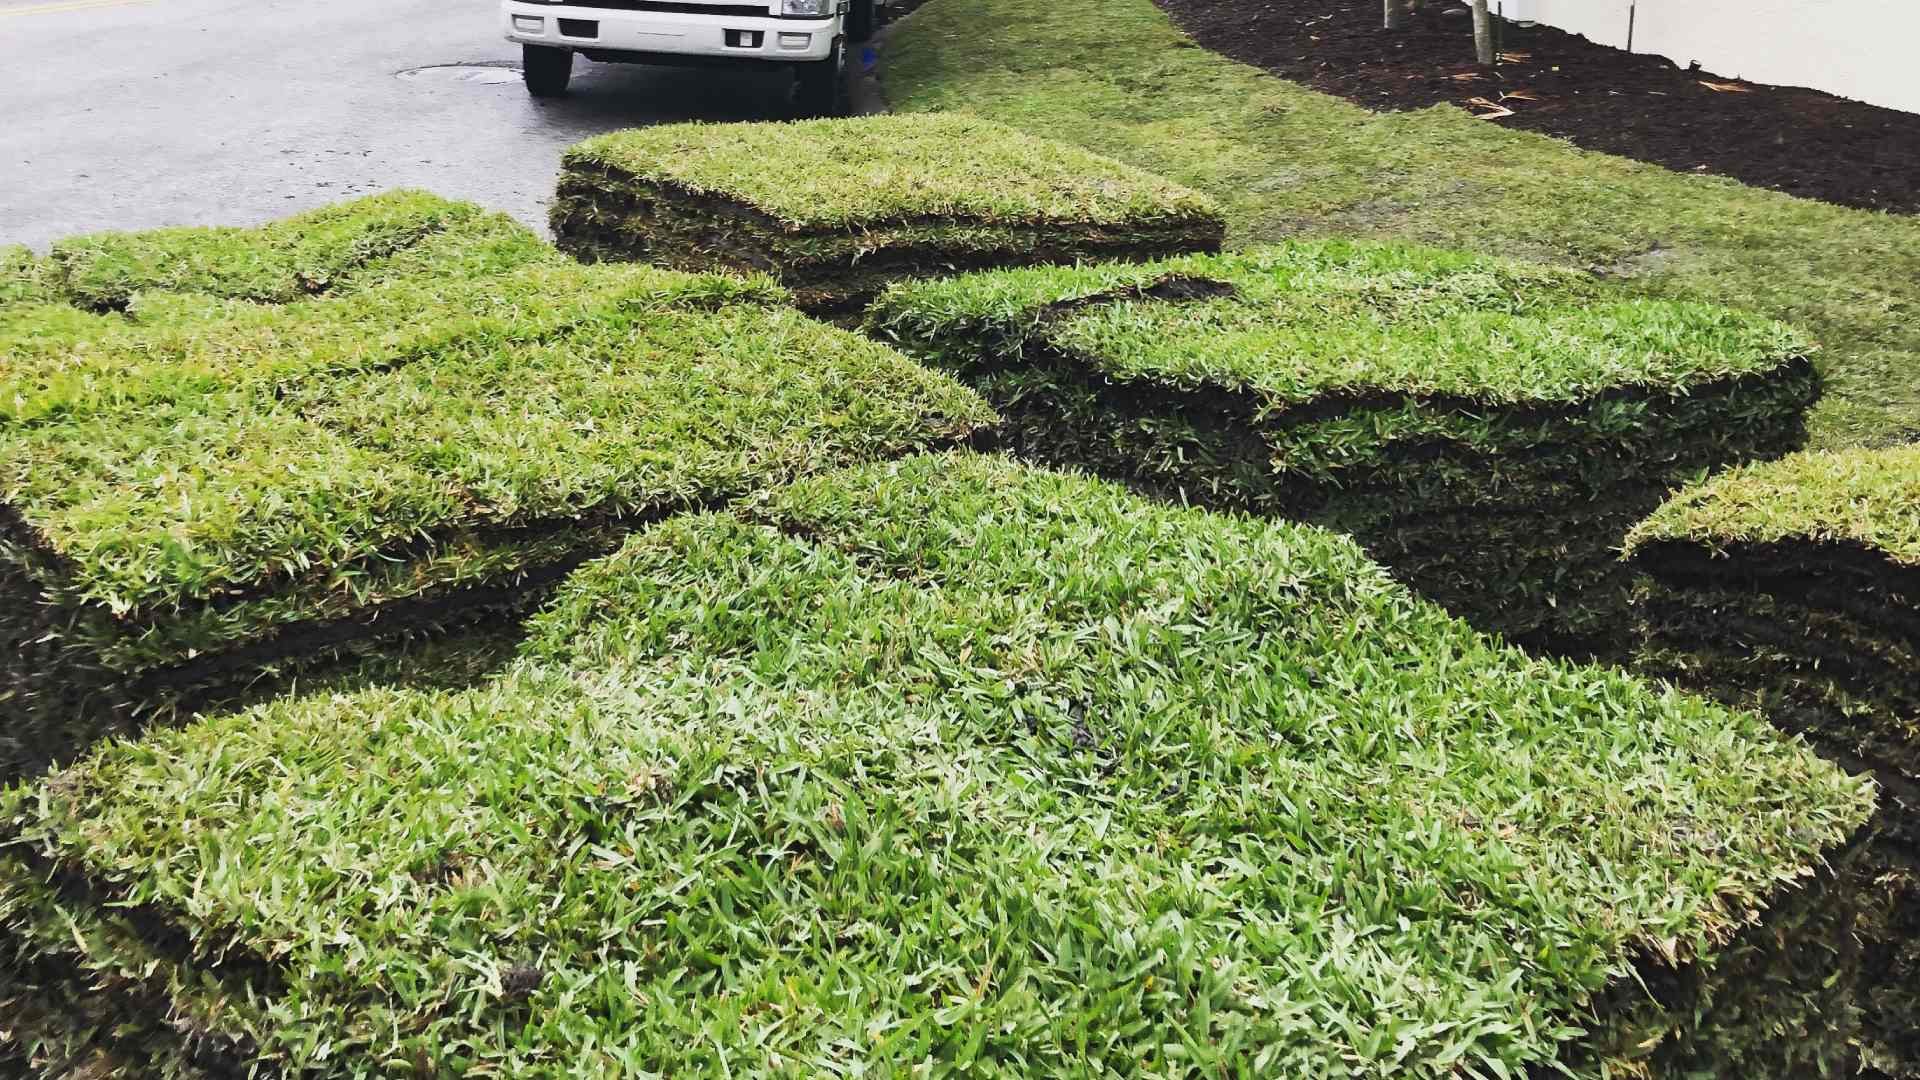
x: 1863, y: 49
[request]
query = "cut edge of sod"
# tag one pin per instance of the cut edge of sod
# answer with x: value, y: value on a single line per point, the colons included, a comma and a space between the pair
x: 1864, y: 499
x: 887, y: 198
x: 1793, y: 587
x: 1789, y: 588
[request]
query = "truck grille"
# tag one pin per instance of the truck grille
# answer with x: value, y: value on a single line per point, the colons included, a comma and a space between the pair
x: 744, y: 11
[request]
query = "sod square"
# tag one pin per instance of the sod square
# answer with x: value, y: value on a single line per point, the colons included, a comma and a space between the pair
x: 947, y: 764
x: 835, y: 209
x: 1489, y: 429
x: 200, y: 487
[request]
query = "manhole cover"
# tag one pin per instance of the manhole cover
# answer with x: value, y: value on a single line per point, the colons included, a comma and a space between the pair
x: 483, y: 73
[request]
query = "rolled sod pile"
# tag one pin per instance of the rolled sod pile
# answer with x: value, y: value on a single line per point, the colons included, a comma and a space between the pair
x: 223, y: 451
x: 835, y: 209
x: 948, y: 765
x: 1490, y: 430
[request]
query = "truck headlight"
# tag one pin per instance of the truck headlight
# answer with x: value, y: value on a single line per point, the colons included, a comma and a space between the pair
x: 817, y: 8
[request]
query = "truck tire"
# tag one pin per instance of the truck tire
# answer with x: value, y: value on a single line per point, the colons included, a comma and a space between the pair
x: 546, y: 69
x: 862, y: 20
x: 821, y: 86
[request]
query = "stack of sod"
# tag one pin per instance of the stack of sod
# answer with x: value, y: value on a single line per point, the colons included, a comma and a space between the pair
x: 257, y: 447
x: 838, y: 208
x: 944, y: 765
x: 1793, y: 588
x: 293, y: 259
x: 1490, y: 430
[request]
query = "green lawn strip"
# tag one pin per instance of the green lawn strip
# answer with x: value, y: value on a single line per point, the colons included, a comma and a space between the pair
x: 1796, y: 585
x: 32, y: 310
x: 206, y: 542
x: 629, y: 408
x: 952, y: 763
x: 212, y: 487
x: 856, y: 203
x: 53, y: 347
x: 1489, y: 429
x: 1284, y: 161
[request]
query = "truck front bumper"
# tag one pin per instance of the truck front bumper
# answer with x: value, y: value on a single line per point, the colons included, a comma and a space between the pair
x: 667, y: 35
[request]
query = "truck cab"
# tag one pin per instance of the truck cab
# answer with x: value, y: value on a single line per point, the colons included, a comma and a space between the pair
x: 811, y: 37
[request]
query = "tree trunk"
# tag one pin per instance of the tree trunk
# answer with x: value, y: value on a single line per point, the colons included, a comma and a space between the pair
x: 1483, y: 33
x: 1396, y: 14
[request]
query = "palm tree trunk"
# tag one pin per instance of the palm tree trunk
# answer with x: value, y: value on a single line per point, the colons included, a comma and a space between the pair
x: 1483, y: 33
x: 1396, y: 14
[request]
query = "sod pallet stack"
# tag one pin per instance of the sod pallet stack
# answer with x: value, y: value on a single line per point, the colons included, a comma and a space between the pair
x: 947, y: 765
x: 1490, y: 430
x: 835, y: 209
x: 223, y: 451
x: 1793, y: 588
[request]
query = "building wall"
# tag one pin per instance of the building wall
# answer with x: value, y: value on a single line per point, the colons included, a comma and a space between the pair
x: 1863, y: 49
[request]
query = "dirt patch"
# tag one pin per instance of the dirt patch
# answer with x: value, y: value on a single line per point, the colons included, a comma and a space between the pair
x: 1799, y: 141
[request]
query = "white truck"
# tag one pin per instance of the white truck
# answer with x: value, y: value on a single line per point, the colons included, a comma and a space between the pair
x: 809, y: 36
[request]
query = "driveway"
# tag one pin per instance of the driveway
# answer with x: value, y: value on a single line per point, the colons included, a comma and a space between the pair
x: 130, y: 114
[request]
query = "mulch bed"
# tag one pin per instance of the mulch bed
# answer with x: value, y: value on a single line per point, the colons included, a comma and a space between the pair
x: 1800, y: 141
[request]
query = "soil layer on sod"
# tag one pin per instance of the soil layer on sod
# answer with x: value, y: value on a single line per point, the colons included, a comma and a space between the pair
x: 856, y: 203
x: 1794, y: 587
x: 1490, y: 430
x: 1639, y: 106
x: 199, y: 486
x: 953, y: 763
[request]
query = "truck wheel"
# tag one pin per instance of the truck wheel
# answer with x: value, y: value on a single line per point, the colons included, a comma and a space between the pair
x: 821, y: 88
x: 861, y: 20
x: 546, y: 69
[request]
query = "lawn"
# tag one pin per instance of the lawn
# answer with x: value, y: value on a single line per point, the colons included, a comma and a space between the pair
x: 1792, y: 588
x: 1862, y: 498
x: 1284, y: 161
x: 1287, y: 162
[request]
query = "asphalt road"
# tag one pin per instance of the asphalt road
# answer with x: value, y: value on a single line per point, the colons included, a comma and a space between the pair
x: 130, y: 114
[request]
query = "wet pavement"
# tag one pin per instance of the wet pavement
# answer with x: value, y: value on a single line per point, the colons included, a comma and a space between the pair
x: 130, y: 114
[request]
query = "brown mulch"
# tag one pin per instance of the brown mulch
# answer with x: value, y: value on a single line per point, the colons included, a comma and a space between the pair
x: 1800, y: 141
